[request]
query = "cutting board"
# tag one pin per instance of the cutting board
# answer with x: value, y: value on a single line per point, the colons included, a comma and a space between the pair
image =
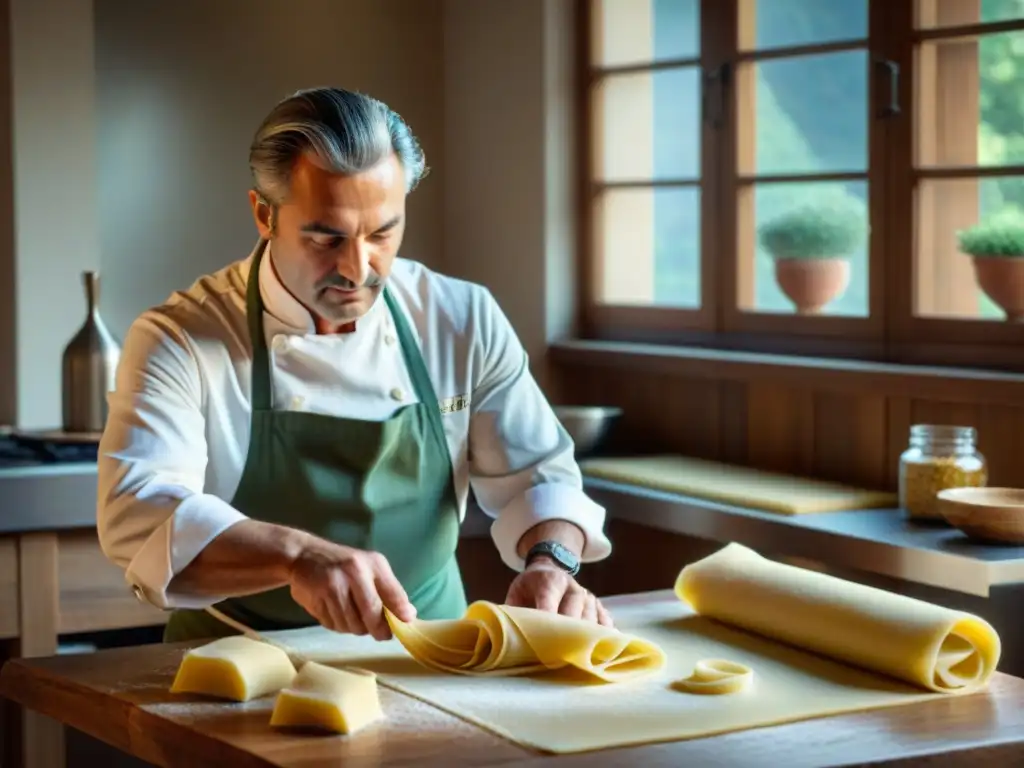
x: 732, y: 484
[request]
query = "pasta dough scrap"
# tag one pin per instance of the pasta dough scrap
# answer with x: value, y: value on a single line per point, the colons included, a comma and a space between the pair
x: 927, y: 645
x: 236, y: 668
x: 716, y: 677
x: 322, y: 697
x: 505, y: 640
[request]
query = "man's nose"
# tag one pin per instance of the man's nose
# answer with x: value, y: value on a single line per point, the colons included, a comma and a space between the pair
x: 354, y: 262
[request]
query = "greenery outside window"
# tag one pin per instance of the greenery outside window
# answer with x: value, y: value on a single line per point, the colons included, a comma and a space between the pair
x: 798, y: 176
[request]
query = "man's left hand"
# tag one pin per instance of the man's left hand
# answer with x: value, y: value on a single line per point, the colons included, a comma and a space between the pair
x: 545, y: 586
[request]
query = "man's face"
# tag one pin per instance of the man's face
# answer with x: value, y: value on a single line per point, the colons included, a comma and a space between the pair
x: 335, y: 237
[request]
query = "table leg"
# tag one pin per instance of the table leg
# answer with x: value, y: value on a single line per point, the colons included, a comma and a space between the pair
x: 42, y: 738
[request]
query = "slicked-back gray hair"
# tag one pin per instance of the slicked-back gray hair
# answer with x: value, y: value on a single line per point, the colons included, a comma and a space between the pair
x: 348, y: 132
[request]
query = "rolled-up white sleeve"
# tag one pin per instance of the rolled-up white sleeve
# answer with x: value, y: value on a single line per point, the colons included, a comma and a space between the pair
x: 521, y: 460
x: 153, y: 517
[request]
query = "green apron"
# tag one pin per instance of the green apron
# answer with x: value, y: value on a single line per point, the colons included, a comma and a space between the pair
x: 385, y: 486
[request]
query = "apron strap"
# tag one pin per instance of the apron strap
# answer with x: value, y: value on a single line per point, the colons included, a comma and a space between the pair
x: 417, y: 370
x: 260, y: 375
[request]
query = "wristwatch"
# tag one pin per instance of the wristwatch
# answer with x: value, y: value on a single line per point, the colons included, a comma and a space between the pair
x: 562, y: 556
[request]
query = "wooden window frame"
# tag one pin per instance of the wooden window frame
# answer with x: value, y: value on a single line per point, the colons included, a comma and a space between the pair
x: 892, y: 332
x: 923, y: 339
x: 605, y: 320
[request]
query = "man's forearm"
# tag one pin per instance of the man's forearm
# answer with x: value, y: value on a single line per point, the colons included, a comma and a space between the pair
x: 249, y: 557
x: 569, y: 535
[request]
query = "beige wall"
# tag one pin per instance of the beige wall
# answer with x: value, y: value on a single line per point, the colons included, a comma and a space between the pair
x: 158, y: 159
x: 48, y: 209
x: 509, y: 213
x: 181, y: 88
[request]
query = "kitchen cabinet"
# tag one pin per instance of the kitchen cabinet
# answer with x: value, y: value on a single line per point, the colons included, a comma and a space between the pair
x: 53, y: 584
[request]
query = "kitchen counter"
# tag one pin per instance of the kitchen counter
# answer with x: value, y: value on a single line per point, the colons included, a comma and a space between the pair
x: 873, y: 541
x: 47, y: 497
x: 121, y: 697
x: 60, y: 497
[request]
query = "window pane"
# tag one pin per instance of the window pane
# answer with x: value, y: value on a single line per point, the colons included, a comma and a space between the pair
x: 970, y: 109
x: 932, y: 14
x: 810, y: 240
x: 648, y: 241
x: 648, y: 126
x: 644, y: 31
x: 945, y: 281
x: 812, y: 114
x: 782, y: 23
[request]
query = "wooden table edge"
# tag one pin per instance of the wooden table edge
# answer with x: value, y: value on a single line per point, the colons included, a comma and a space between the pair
x: 20, y: 680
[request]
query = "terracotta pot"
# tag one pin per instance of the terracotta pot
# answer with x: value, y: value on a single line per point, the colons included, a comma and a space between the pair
x: 1002, y: 280
x: 812, y: 283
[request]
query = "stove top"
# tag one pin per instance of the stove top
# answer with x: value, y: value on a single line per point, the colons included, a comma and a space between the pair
x: 23, y: 451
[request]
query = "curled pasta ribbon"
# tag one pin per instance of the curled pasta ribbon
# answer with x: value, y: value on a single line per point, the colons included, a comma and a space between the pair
x: 716, y: 677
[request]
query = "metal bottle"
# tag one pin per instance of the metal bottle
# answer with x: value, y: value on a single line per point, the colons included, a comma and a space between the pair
x: 89, y: 366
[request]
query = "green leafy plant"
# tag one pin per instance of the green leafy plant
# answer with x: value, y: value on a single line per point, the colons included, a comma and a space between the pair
x: 814, y: 232
x: 998, y: 237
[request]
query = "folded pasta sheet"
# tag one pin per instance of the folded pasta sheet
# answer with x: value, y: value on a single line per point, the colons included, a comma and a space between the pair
x: 504, y: 640
x: 937, y: 648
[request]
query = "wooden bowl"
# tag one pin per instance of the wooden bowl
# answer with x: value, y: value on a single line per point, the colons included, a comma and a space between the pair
x: 987, y: 514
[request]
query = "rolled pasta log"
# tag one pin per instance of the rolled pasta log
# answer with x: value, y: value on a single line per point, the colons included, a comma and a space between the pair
x: 928, y: 645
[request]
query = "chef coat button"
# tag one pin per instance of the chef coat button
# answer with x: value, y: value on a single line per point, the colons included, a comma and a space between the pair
x: 397, y: 394
x: 389, y: 339
x: 297, y: 402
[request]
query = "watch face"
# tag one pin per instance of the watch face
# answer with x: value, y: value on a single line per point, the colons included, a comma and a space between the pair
x: 560, y: 554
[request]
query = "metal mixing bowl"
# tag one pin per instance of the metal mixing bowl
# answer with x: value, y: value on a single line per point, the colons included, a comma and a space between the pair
x: 587, y: 424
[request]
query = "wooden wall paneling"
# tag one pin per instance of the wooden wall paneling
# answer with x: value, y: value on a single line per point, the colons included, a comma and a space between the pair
x: 935, y: 412
x: 1001, y: 442
x: 780, y: 428
x: 732, y: 420
x: 689, y: 419
x: 850, y: 436
x: 642, y: 559
x: 899, y: 417
x: 8, y: 587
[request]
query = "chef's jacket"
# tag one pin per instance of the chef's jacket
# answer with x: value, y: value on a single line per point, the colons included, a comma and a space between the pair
x: 177, y: 433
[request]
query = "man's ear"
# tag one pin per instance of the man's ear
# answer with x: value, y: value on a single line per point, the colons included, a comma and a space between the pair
x: 263, y: 214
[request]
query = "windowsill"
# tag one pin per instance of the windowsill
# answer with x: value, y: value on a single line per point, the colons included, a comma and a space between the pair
x: 948, y: 384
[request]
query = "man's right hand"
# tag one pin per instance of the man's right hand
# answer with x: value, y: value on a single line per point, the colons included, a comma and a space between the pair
x: 347, y: 589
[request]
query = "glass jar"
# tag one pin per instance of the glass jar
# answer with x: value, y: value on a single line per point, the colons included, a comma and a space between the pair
x: 939, y: 457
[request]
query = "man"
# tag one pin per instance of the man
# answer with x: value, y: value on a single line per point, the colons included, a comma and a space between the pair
x: 292, y: 438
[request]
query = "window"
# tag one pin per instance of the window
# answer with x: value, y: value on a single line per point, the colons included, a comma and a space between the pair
x: 796, y: 175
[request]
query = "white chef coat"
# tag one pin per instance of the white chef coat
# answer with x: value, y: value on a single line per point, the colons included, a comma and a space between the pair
x: 177, y: 433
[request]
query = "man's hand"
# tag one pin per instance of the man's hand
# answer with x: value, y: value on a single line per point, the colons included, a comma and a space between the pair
x: 346, y: 589
x: 545, y: 586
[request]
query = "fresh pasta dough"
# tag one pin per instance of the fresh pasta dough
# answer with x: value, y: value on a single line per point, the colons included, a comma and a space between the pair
x: 235, y: 668
x: 716, y: 677
x: 790, y: 681
x: 928, y: 645
x: 504, y: 640
x: 337, y: 700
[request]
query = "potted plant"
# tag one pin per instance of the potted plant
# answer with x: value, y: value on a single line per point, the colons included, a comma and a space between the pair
x: 997, y: 249
x: 811, y: 247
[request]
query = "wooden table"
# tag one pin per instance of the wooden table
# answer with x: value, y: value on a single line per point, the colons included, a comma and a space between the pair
x: 120, y: 697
